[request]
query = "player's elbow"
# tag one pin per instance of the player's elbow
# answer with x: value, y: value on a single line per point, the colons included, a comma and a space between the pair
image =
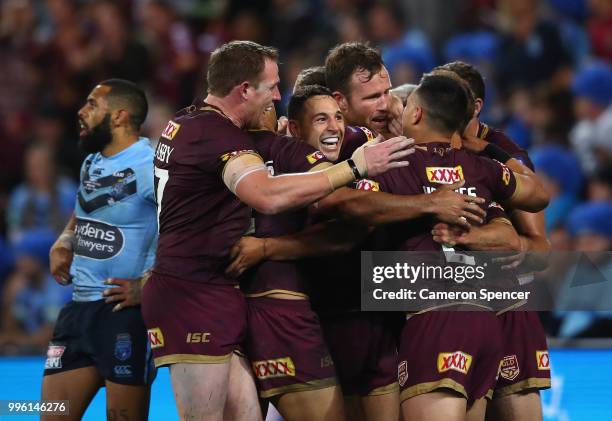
x: 270, y: 205
x: 539, y: 200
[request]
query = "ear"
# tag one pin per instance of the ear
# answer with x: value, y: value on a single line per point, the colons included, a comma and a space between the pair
x: 478, y: 104
x: 341, y: 100
x: 417, y: 115
x: 243, y: 89
x: 294, y: 128
x: 120, y: 117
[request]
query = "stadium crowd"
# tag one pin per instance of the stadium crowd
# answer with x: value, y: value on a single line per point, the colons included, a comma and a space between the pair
x: 547, y: 65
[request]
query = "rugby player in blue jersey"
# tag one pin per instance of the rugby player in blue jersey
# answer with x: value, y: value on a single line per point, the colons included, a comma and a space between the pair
x: 100, y: 339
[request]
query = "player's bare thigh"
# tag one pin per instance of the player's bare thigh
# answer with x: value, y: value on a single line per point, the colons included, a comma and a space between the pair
x: 524, y: 406
x: 77, y: 386
x: 435, y: 406
x: 127, y: 402
x: 200, y: 390
x: 381, y: 407
x: 242, y: 401
x: 476, y: 411
x: 311, y: 405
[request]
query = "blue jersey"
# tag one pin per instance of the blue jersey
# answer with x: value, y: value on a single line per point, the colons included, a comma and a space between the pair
x: 116, y: 220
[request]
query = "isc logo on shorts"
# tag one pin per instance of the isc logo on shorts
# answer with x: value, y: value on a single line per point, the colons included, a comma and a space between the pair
x: 156, y: 338
x: 458, y: 361
x: 171, y: 130
x: 198, y: 337
x: 268, y: 369
x: 444, y: 175
x: 54, y: 356
x: 314, y: 157
x: 542, y: 360
x: 509, y: 367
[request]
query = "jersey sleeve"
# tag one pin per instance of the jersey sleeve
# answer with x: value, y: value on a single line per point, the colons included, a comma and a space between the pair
x: 495, y: 211
x: 146, y: 187
x: 501, y: 179
x: 298, y: 156
x: 354, y: 137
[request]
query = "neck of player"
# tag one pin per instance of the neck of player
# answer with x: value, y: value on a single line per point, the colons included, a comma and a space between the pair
x: 227, y: 107
x: 122, y: 139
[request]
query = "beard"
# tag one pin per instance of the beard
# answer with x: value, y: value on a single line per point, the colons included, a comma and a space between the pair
x: 96, y: 138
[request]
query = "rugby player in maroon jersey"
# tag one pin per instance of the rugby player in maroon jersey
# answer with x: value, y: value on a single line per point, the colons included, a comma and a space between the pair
x: 447, y: 375
x: 364, y: 344
x: 292, y: 365
x: 522, y: 374
x: 208, y: 173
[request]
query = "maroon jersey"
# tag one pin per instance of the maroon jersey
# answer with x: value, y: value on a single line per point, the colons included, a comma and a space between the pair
x: 282, y: 155
x: 436, y: 164
x: 199, y: 218
x: 500, y: 139
x: 354, y: 137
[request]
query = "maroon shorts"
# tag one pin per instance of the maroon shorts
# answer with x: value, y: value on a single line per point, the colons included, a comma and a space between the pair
x: 191, y: 322
x: 525, y: 363
x: 285, y: 345
x: 364, y: 349
x: 458, y: 350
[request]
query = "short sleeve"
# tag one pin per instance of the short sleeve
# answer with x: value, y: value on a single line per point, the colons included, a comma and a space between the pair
x: 501, y: 180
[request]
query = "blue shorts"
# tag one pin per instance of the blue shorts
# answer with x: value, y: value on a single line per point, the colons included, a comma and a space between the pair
x: 91, y: 334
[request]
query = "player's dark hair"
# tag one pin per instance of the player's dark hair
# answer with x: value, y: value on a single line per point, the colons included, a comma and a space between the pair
x: 471, y: 106
x: 295, y: 109
x: 470, y: 74
x: 345, y: 59
x: 444, y: 100
x: 236, y: 62
x: 310, y: 76
x: 124, y: 93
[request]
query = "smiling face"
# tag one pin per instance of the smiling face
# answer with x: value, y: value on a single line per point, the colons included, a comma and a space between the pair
x: 368, y: 101
x: 322, y: 125
x: 262, y: 96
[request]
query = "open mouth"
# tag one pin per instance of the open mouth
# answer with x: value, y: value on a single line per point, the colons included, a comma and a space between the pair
x: 330, y: 141
x: 83, y: 129
x: 380, y: 121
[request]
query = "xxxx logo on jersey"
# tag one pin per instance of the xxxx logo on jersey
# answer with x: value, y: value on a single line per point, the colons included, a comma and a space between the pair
x: 171, y: 130
x: 444, y: 175
x: 458, y: 361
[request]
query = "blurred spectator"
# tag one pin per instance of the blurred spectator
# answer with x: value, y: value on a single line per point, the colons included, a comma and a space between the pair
x: 117, y: 53
x: 590, y: 226
x: 600, y: 28
x: 45, y: 199
x: 175, y: 63
x: 592, y: 87
x: 31, y: 298
x: 562, y: 178
x: 530, y: 52
x: 407, y: 54
x: 600, y: 185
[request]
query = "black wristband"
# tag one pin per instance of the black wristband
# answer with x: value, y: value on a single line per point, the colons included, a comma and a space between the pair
x: 497, y: 153
x: 354, y: 168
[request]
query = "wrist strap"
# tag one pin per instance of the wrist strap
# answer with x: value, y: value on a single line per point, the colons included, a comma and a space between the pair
x: 354, y: 168
x: 497, y: 153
